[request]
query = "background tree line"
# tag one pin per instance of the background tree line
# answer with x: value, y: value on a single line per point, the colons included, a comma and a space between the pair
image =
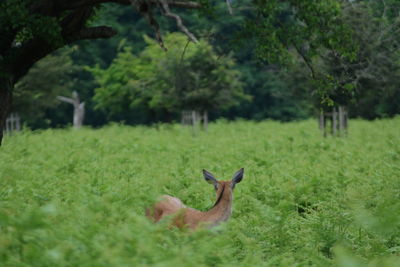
x: 129, y: 78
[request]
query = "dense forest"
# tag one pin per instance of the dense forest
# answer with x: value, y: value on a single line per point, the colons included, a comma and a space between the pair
x: 129, y: 78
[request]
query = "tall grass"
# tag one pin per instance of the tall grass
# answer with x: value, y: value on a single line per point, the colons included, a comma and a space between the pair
x: 77, y: 198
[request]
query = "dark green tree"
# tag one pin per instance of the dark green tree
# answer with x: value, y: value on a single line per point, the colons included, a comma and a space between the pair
x: 36, y: 92
x: 375, y: 74
x: 368, y: 83
x: 287, y: 30
x: 187, y: 76
x: 30, y: 30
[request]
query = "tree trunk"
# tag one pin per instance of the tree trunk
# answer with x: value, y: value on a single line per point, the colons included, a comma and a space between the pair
x: 5, y: 102
x: 79, y: 108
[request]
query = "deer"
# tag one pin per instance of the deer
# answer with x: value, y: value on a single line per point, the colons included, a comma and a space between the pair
x: 183, y: 216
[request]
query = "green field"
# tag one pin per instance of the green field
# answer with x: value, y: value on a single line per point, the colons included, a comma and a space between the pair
x: 77, y: 198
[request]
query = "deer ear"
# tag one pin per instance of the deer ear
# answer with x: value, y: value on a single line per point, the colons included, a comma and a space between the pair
x: 237, y: 177
x: 209, y: 177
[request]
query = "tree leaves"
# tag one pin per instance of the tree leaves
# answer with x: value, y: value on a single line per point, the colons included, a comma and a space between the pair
x: 188, y: 76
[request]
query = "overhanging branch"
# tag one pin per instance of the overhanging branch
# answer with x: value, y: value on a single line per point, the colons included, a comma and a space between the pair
x: 144, y: 7
x: 179, y: 23
x: 68, y: 5
x: 94, y: 33
x: 146, y: 10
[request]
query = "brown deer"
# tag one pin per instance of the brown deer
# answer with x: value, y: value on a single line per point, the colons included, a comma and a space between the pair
x: 183, y: 216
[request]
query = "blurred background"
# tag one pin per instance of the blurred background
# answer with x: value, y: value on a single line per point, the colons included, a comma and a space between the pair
x: 130, y: 79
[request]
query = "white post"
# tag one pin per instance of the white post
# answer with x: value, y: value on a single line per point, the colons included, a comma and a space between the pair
x: 17, y: 122
x: 194, y: 122
x: 341, y: 121
x: 334, y: 121
x: 13, y: 122
x: 205, y: 120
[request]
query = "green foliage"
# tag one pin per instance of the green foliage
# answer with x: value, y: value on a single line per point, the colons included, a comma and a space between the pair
x: 77, y: 198
x: 369, y: 83
x: 280, y: 25
x: 376, y: 71
x: 15, y: 17
x: 36, y: 92
x: 187, y: 76
x: 272, y: 97
x: 284, y: 29
x: 278, y: 31
x: 277, y: 94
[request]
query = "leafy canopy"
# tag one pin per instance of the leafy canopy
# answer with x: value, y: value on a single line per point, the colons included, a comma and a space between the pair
x: 187, y: 76
x: 286, y: 31
x: 36, y: 92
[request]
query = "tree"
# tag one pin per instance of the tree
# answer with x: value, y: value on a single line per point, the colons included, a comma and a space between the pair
x: 188, y: 76
x: 286, y: 30
x: 368, y: 82
x: 375, y: 73
x: 36, y: 92
x: 30, y: 30
x: 79, y: 108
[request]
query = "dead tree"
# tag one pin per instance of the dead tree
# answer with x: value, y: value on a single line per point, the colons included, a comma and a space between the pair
x: 79, y: 108
x: 336, y: 119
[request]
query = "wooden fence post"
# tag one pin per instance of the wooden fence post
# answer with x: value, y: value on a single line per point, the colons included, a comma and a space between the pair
x: 205, y: 120
x: 322, y: 122
x: 13, y: 124
x: 194, y: 122
x: 338, y: 121
x: 196, y: 119
x: 334, y: 122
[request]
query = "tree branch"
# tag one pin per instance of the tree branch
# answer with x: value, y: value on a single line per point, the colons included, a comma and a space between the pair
x: 306, y: 60
x: 178, y: 19
x: 228, y: 3
x: 68, y: 5
x: 93, y: 33
x: 146, y: 10
x: 67, y: 100
x: 27, y: 54
x: 74, y: 28
x: 75, y: 21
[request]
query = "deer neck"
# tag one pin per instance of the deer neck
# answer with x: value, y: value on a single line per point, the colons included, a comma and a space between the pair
x: 222, y: 209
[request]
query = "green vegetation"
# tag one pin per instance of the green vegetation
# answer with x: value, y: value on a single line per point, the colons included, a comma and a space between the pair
x: 187, y: 77
x: 37, y: 91
x: 77, y: 198
x: 292, y: 55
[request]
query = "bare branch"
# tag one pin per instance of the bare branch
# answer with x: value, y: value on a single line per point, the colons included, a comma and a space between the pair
x: 180, y: 4
x: 184, y: 51
x: 66, y: 99
x: 83, y: 3
x: 145, y: 9
x: 228, y: 3
x: 179, y: 23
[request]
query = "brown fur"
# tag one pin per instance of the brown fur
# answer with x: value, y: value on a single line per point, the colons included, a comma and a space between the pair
x: 183, y: 216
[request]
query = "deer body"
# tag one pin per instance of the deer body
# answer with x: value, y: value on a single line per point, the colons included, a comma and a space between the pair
x: 185, y: 216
